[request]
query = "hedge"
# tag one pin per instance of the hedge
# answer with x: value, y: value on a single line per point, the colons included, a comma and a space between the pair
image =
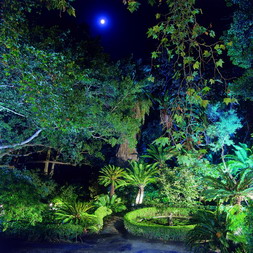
x: 46, y: 232
x: 168, y: 233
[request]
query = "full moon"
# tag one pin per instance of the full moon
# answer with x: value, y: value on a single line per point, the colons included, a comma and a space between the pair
x: 102, y: 21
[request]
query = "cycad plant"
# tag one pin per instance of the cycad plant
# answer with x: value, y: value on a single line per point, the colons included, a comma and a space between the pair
x: 75, y: 213
x: 243, y: 158
x: 140, y: 174
x: 209, y: 233
x: 113, y: 176
x: 159, y: 154
x: 229, y: 187
x: 212, y: 233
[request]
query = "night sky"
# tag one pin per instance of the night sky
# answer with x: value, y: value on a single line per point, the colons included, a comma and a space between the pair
x: 124, y: 33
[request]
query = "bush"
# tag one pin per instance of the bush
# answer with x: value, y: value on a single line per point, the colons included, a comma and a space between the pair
x: 114, y: 203
x: 22, y: 197
x: 46, y: 232
x: 169, y: 233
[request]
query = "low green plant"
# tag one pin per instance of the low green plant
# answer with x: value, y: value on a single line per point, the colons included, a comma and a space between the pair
x: 23, y: 197
x: 134, y: 223
x: 75, y: 213
x: 46, y: 232
x: 179, y: 186
x: 229, y: 187
x: 215, y: 231
x: 114, y: 203
x: 249, y: 227
x: 99, y: 215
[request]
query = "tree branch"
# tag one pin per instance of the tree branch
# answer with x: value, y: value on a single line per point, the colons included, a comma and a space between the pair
x: 23, y: 142
x: 9, y: 110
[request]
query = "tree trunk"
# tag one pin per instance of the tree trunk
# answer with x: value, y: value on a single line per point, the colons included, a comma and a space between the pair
x: 239, y: 200
x: 137, y: 200
x: 112, y: 190
x: 126, y: 153
x: 51, y: 174
x: 141, y: 194
x: 46, y: 167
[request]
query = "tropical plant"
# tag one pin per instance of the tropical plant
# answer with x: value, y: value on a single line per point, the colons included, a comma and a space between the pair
x: 159, y: 154
x: 113, y: 176
x: 140, y: 174
x: 228, y: 187
x: 114, y: 203
x: 212, y: 232
x: 243, y: 158
x: 75, y: 213
x: 180, y: 186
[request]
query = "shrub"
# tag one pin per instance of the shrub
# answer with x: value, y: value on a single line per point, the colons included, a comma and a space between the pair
x: 75, y: 213
x: 170, y: 233
x: 99, y: 215
x: 22, y: 197
x: 46, y: 232
x: 114, y: 203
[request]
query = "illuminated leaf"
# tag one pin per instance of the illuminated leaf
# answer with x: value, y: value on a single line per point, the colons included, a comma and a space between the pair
x: 206, y: 89
x: 204, y: 103
x: 196, y: 65
x: 154, y: 55
x: 227, y: 100
x: 206, y: 53
x: 158, y: 15
x: 219, y: 63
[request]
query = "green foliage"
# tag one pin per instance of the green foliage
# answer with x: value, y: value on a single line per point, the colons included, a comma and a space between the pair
x: 229, y: 187
x: 159, y: 154
x: 75, y: 213
x: 66, y: 194
x: 242, y: 87
x: 46, y: 232
x: 225, y: 124
x: 22, y: 196
x: 241, y: 159
x: 180, y: 186
x: 113, y: 176
x: 239, y: 37
x: 212, y: 232
x: 236, y: 215
x: 99, y: 214
x: 249, y: 227
x: 133, y: 224
x: 140, y: 174
x: 41, y: 81
x: 114, y: 203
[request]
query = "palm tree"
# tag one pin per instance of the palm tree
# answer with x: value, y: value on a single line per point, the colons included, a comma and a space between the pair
x: 230, y: 188
x: 140, y: 175
x: 113, y: 176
